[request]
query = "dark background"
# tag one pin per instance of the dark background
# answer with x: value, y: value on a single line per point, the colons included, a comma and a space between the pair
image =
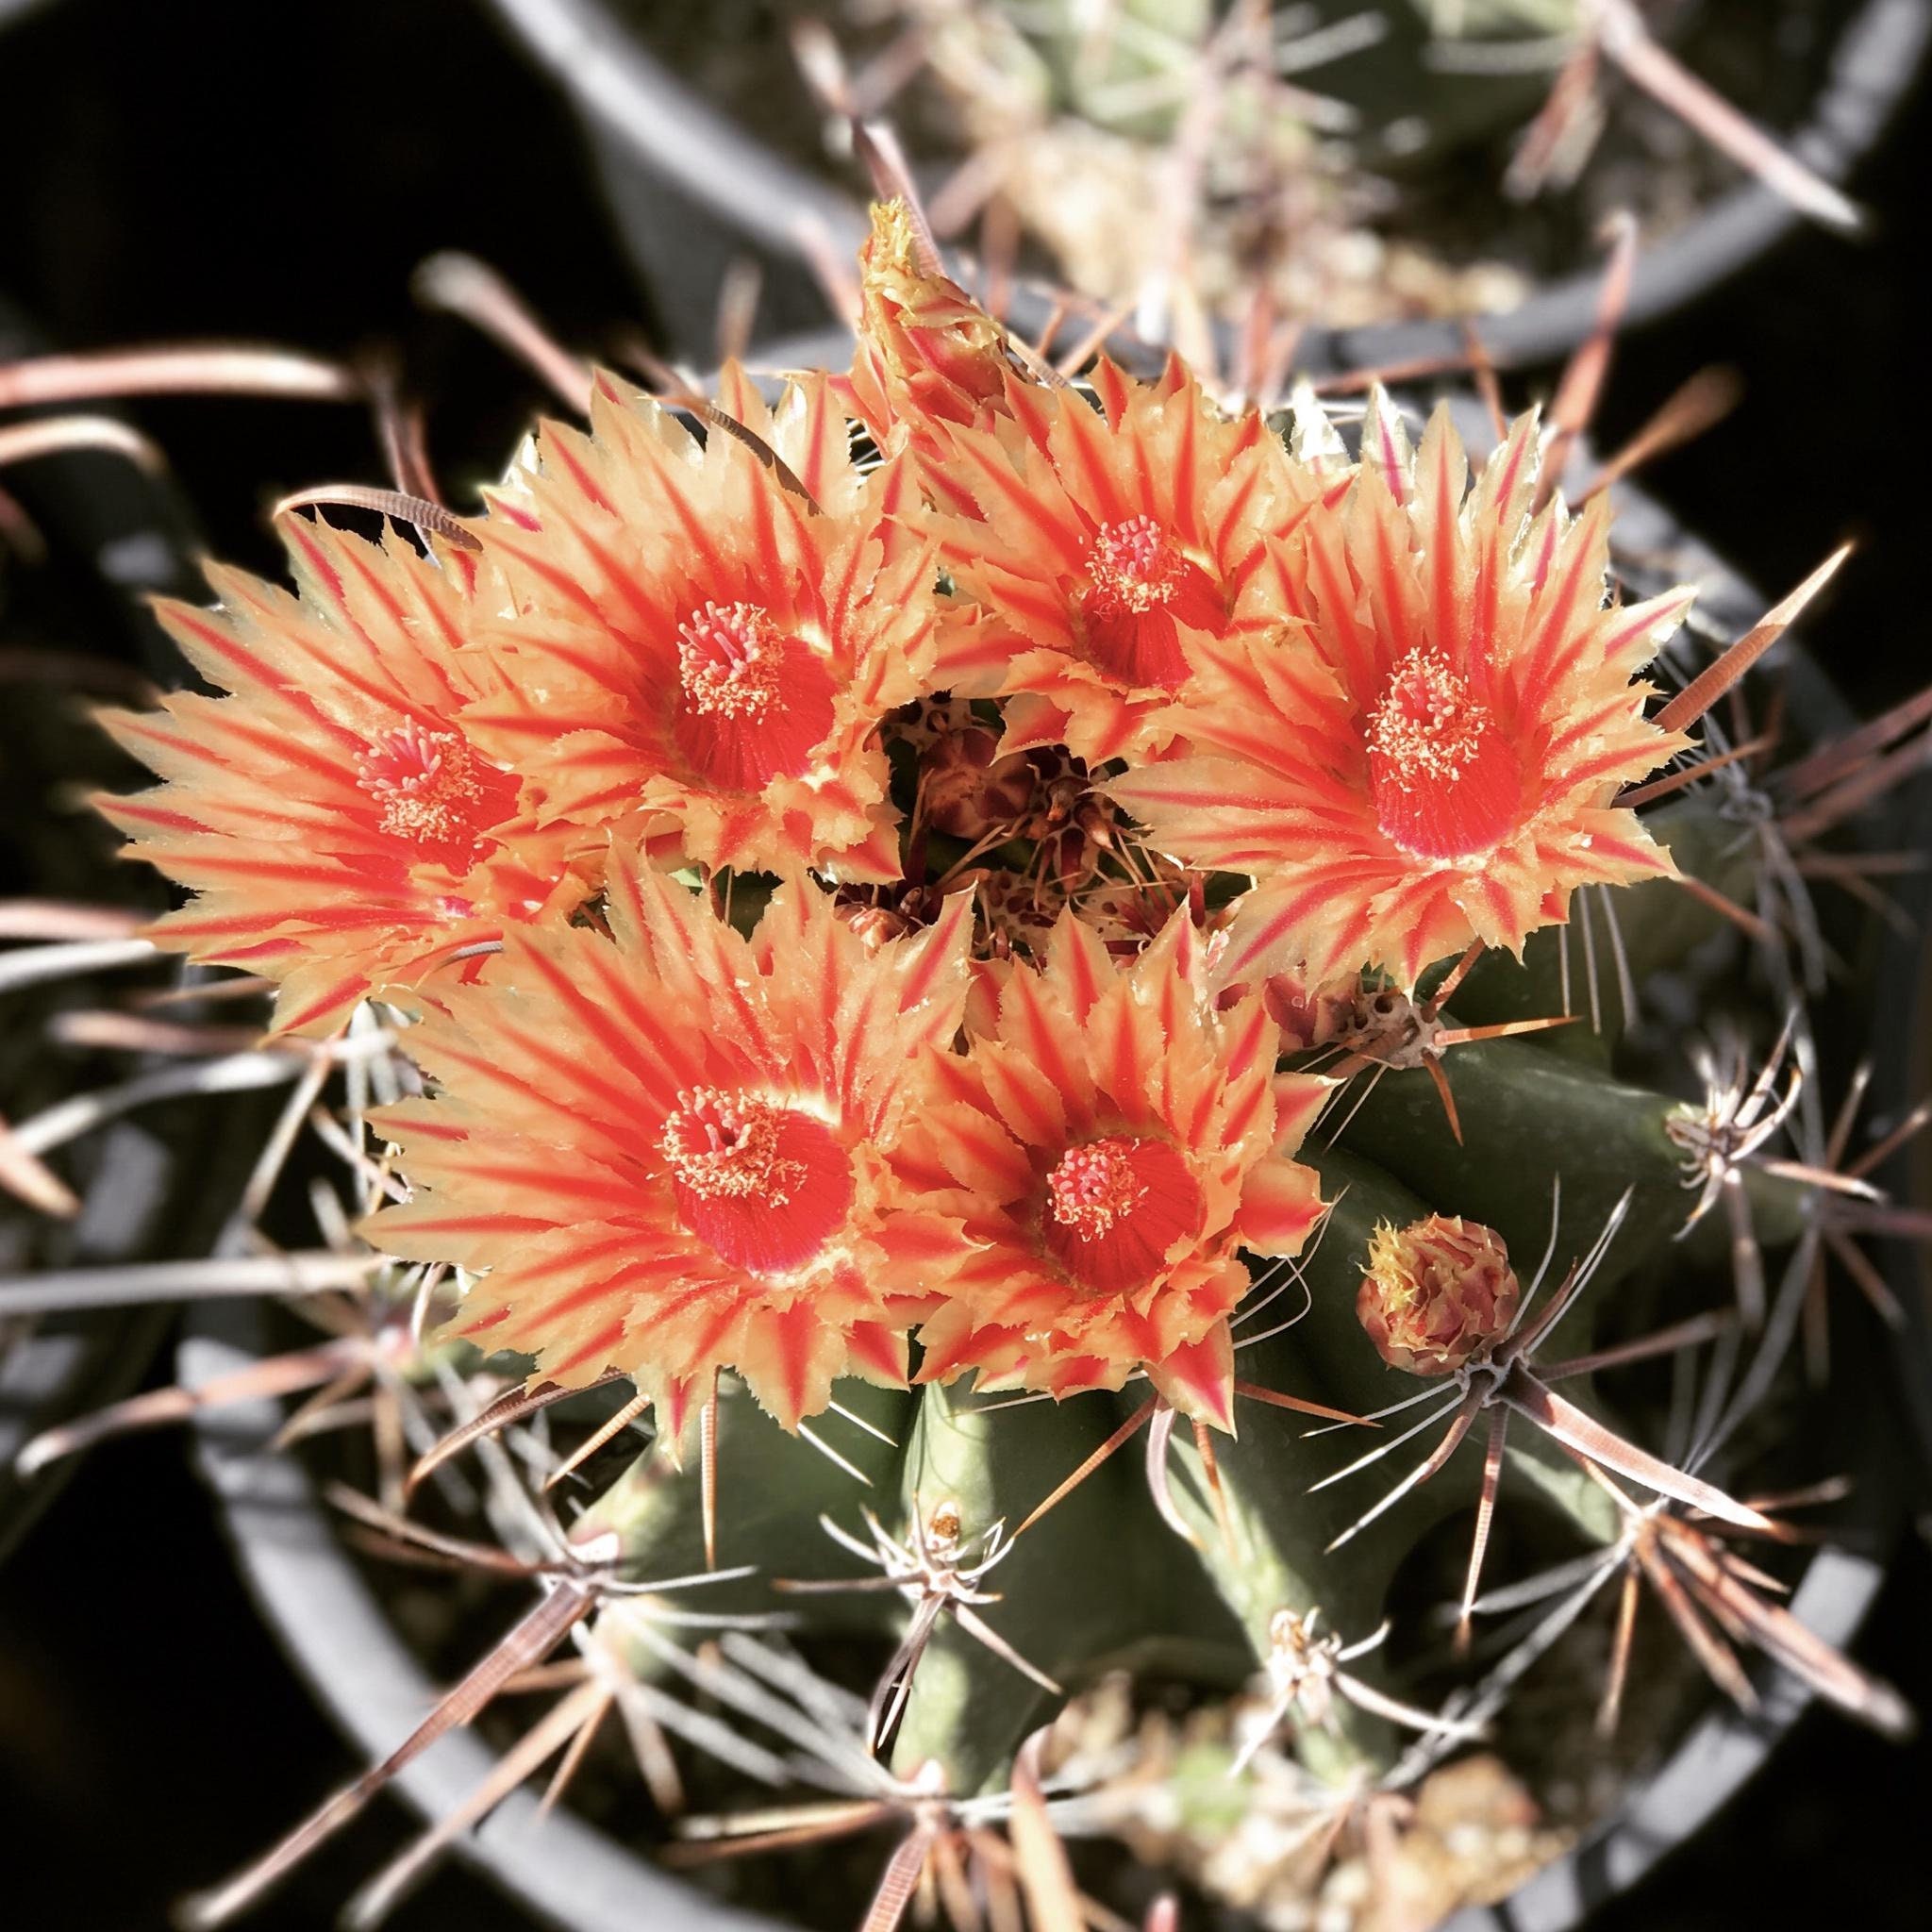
x: 234, y: 168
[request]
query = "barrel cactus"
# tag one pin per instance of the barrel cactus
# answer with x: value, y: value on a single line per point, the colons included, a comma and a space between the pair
x: 1042, y: 1030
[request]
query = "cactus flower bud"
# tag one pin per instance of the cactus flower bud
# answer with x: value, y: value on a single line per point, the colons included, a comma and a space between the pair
x: 934, y: 352
x: 1309, y: 1014
x: 968, y: 790
x: 1435, y: 1294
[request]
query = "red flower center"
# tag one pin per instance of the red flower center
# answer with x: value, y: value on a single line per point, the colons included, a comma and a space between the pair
x: 1443, y: 778
x: 1140, y: 587
x: 765, y: 1186
x: 753, y: 703
x: 432, y: 790
x: 730, y: 656
x: 1115, y: 1209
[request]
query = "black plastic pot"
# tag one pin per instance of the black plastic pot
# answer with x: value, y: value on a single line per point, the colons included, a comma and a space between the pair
x: 115, y: 535
x: 335, y: 1629
x: 692, y: 190
x: 13, y: 10
x: 1902, y: 1077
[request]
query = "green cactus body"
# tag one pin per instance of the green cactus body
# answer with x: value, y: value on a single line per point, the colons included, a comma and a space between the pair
x: 1280, y: 1556
x: 1100, y: 1582
x: 1659, y: 925
x: 1528, y: 1116
x: 772, y: 1489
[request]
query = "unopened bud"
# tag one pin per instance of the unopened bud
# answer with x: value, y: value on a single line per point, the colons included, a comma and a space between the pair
x: 968, y: 792
x: 877, y: 913
x: 1435, y: 1294
x: 1308, y: 1015
x: 877, y: 925
x: 938, y: 353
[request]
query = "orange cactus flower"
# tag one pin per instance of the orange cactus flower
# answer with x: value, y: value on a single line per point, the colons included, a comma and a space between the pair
x: 342, y: 827
x: 668, y: 1151
x: 1108, y: 545
x: 1428, y: 752
x: 702, y: 640
x: 1110, y: 1148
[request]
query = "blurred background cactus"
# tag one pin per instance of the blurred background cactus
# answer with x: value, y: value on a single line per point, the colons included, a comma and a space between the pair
x: 1344, y: 163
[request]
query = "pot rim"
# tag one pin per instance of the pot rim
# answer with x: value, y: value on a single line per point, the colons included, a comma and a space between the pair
x: 135, y: 531
x: 1901, y: 1079
x: 638, y: 107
